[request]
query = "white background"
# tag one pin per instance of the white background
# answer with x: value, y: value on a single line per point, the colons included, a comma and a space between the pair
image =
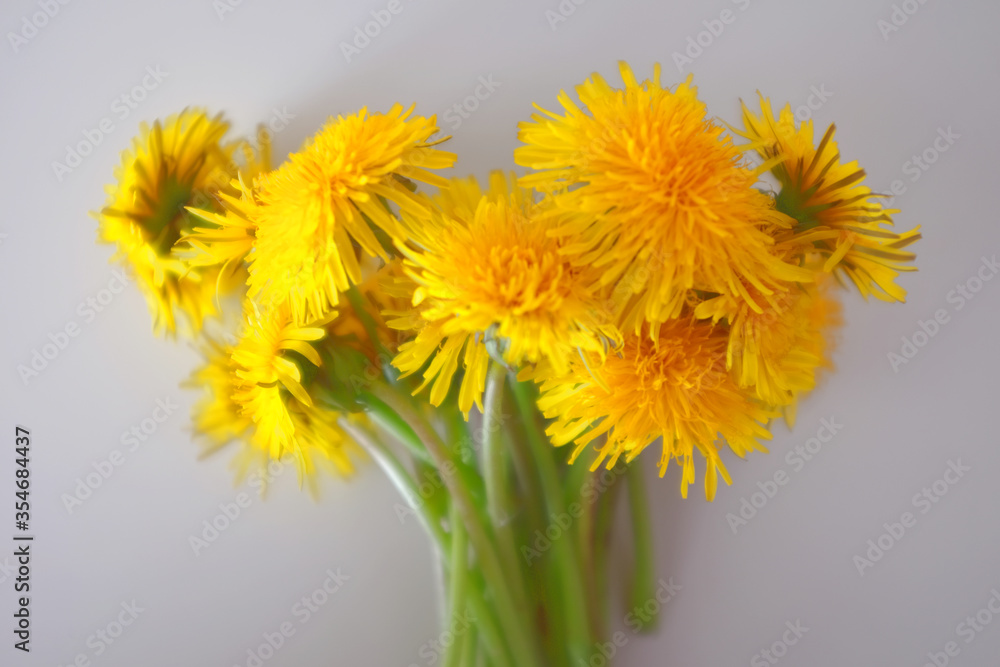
x: 792, y: 561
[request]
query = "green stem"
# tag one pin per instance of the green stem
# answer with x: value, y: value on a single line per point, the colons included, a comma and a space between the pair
x: 567, y: 567
x: 401, y: 479
x: 588, y: 545
x: 532, y: 502
x: 356, y: 299
x: 431, y: 522
x: 644, y: 584
x: 485, y: 621
x: 541, y: 569
x: 602, y: 541
x: 395, y: 425
x: 457, y: 585
x: 542, y: 588
x: 498, y: 501
x: 512, y: 619
x: 494, y: 468
x: 388, y: 419
x: 467, y: 656
x: 578, y: 476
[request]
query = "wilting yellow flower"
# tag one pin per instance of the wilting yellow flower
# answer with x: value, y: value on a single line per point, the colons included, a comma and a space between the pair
x: 654, y: 195
x: 487, y: 272
x: 330, y: 195
x: 269, y: 363
x: 676, y: 386
x: 836, y: 215
x: 172, y: 165
x: 778, y: 353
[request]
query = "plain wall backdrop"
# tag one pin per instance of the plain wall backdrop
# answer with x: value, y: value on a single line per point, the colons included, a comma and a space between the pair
x: 894, y: 76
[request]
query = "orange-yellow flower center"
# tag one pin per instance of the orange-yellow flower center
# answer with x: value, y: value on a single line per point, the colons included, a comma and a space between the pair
x: 502, y: 265
x: 519, y: 279
x: 681, y: 363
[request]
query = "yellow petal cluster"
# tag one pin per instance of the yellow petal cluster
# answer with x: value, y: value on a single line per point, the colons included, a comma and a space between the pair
x: 675, y: 386
x: 489, y: 278
x: 312, y: 211
x: 655, y: 194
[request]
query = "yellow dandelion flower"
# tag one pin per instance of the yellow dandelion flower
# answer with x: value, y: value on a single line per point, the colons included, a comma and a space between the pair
x: 216, y: 415
x: 836, y: 215
x: 332, y: 194
x: 321, y: 440
x: 229, y: 238
x: 676, y: 387
x: 386, y: 293
x: 324, y: 443
x: 491, y: 275
x: 225, y: 233
x: 397, y: 303
x: 654, y: 194
x: 269, y: 363
x: 779, y: 352
x: 171, y: 165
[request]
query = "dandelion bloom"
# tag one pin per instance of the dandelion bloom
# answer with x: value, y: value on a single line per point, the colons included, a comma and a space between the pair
x: 172, y: 165
x: 270, y: 365
x: 675, y: 386
x: 836, y: 216
x: 655, y: 195
x: 779, y: 353
x: 488, y: 279
x: 216, y: 416
x: 311, y: 211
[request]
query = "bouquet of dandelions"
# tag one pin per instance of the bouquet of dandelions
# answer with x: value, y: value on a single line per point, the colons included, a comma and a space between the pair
x: 648, y: 278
